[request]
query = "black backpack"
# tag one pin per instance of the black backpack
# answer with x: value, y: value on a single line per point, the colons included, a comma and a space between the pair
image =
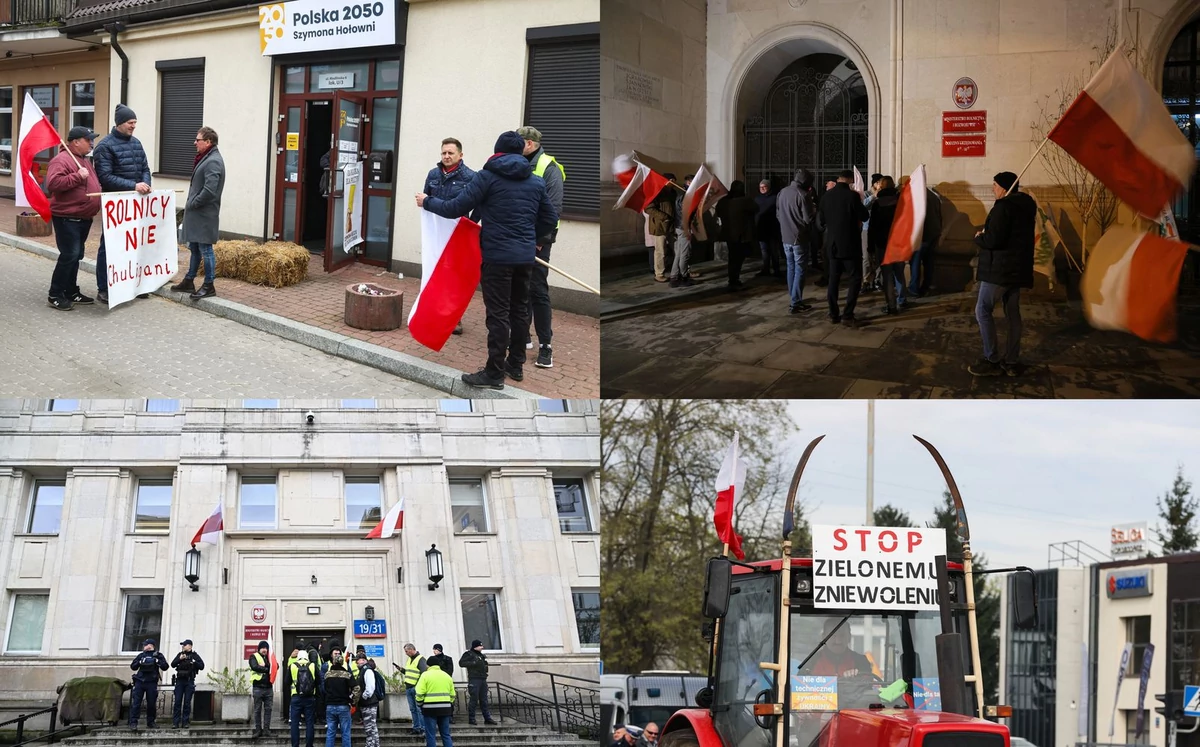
x: 380, y: 685
x: 305, y: 685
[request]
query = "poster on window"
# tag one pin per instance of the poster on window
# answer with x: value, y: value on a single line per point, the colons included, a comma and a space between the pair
x: 142, y: 247
x: 354, y: 199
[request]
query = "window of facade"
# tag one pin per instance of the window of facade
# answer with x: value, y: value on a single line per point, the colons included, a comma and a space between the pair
x: 162, y: 405
x: 1185, y: 643
x: 256, y: 507
x: 153, y: 512
x: 363, y: 497
x: 571, y: 501
x: 1137, y: 632
x: 468, y: 506
x: 587, y: 617
x: 563, y: 103
x: 481, y: 619
x: 1131, y: 735
x: 455, y: 405
x: 260, y: 404
x: 45, y: 512
x: 181, y: 113
x: 27, y: 623
x: 552, y: 405
x: 143, y: 619
x: 64, y: 405
x: 6, y: 129
x: 83, y: 104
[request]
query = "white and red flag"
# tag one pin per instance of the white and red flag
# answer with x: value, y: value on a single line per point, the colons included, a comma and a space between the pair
x: 37, y: 134
x: 642, y: 183
x: 1119, y: 129
x: 391, y: 524
x: 909, y: 223
x: 1131, y: 282
x: 450, y: 262
x: 210, y: 530
x: 701, y: 193
x: 730, y: 480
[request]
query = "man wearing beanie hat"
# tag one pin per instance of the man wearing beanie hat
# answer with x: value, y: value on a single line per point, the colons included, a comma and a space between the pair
x: 515, y: 211
x: 122, y: 166
x: 439, y: 658
x: 553, y: 174
x: 1005, y: 267
x: 796, y: 213
x: 146, y: 667
x: 70, y: 177
x: 261, y: 690
x: 475, y: 662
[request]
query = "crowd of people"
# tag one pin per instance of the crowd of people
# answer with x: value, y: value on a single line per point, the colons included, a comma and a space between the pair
x: 841, y: 235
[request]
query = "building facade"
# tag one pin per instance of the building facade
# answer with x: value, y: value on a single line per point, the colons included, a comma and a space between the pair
x: 101, y: 501
x: 758, y: 88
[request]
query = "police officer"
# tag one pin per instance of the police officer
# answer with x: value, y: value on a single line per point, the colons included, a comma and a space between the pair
x: 146, y: 667
x: 476, y: 664
x: 435, y: 696
x: 306, y: 703
x: 414, y: 665
x: 553, y: 174
x: 261, y: 688
x: 186, y: 664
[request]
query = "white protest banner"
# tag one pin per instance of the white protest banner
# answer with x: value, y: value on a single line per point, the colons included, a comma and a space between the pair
x: 876, y: 567
x: 354, y: 199
x: 313, y: 25
x: 141, y: 245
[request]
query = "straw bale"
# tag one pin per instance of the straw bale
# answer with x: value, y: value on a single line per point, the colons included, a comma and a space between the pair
x: 275, y: 264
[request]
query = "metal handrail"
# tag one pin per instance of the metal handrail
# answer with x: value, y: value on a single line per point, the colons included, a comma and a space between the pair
x: 54, y: 730
x: 19, y: 720
x: 564, y: 676
x: 52, y: 734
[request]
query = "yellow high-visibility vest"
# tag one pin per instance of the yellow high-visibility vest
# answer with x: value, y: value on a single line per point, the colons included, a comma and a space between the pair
x: 543, y: 163
x: 411, y: 672
x: 256, y: 676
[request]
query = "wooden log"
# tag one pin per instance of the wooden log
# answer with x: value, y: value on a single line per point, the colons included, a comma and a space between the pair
x: 32, y: 225
x: 375, y: 312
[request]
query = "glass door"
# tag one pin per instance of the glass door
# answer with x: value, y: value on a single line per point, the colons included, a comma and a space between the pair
x: 288, y: 148
x: 348, y: 124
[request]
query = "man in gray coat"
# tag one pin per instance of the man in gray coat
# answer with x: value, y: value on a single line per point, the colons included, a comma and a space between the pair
x: 796, y: 214
x: 202, y: 213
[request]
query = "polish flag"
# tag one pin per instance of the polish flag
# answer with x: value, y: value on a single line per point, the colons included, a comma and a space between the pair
x: 37, y: 135
x: 642, y: 184
x: 391, y: 524
x: 1130, y: 283
x: 450, y: 262
x: 729, y: 486
x: 210, y: 531
x: 859, y: 185
x: 1119, y: 129
x: 701, y: 193
x: 909, y: 223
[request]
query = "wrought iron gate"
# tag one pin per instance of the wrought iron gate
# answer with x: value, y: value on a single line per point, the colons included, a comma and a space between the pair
x: 808, y: 120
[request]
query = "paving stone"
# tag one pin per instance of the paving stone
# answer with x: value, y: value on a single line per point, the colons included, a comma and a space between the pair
x: 743, y: 348
x: 794, y: 385
x: 662, y: 376
x: 801, y: 356
x: 733, y: 381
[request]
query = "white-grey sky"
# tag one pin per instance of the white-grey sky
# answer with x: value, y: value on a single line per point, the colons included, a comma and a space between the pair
x: 1031, y: 472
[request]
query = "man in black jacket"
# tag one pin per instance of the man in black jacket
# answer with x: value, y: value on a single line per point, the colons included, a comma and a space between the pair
x: 840, y: 215
x: 515, y: 210
x: 736, y: 212
x: 146, y: 667
x: 122, y: 166
x: 1005, y: 267
x: 262, y: 691
x: 186, y: 664
x: 443, y: 661
x: 476, y: 664
x: 341, y: 690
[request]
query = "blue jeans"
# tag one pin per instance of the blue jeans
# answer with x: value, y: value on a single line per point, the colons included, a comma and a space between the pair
x: 435, y: 724
x: 338, y: 718
x: 185, y: 688
x: 770, y: 260
x: 148, y: 691
x: 418, y: 719
x: 102, y: 266
x: 210, y: 262
x: 307, y: 705
x: 1010, y: 297
x: 70, y: 235
x: 797, y: 258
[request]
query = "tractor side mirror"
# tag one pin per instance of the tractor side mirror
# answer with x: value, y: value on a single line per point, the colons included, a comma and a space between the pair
x: 1024, y: 600
x: 717, y: 582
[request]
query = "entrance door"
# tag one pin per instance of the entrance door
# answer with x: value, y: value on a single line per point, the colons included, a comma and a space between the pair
x: 302, y: 639
x: 347, y: 149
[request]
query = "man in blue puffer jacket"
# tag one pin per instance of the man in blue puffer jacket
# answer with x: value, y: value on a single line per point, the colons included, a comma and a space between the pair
x: 513, y: 209
x: 448, y: 178
x: 122, y: 166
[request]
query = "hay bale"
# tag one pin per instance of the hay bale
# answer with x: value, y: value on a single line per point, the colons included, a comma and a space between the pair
x: 275, y: 264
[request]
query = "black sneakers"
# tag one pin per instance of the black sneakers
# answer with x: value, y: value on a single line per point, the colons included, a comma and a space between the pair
x: 481, y: 379
x: 457, y: 329
x: 79, y: 299
x: 984, y: 367
x: 102, y: 297
x: 545, y: 357
x: 62, y: 304
x: 514, y: 372
x: 800, y: 308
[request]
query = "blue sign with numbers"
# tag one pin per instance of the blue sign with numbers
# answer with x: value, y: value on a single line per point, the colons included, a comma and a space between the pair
x: 370, y: 628
x: 1191, y: 700
x: 374, y: 651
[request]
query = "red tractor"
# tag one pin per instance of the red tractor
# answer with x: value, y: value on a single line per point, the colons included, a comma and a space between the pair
x: 785, y: 671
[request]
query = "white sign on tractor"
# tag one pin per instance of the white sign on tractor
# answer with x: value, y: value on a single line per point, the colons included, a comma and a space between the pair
x: 875, y: 567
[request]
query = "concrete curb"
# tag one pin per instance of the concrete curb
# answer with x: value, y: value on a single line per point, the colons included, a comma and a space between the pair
x: 403, y: 365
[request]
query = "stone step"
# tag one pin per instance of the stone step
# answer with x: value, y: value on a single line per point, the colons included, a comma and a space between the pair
x: 393, y: 734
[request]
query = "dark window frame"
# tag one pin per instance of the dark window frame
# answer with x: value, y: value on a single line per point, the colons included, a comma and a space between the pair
x: 175, y: 152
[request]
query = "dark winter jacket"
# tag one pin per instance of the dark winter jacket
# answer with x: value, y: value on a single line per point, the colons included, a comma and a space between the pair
x: 120, y: 162
x: 766, y: 224
x: 661, y: 213
x: 146, y: 666
x: 840, y: 215
x: 795, y: 211
x: 187, y: 668
x: 341, y: 688
x: 202, y: 212
x: 883, y: 214
x: 448, y: 184
x: 1006, y: 244
x: 736, y: 212
x: 475, y: 663
x: 443, y: 661
x: 511, y: 205
x: 364, y: 700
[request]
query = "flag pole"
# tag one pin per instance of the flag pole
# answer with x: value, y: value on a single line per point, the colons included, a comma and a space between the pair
x: 1027, y: 165
x: 870, y: 462
x: 541, y: 261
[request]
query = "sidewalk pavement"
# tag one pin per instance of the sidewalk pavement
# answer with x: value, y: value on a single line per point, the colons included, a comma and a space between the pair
x: 311, y: 312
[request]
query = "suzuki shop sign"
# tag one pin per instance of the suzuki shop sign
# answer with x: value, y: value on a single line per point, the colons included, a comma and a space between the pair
x: 1127, y: 584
